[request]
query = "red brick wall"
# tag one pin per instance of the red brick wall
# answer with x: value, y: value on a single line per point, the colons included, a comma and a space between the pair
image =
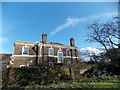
x: 18, y: 50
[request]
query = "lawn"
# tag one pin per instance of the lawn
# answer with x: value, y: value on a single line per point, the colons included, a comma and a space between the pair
x: 83, y: 85
x: 106, y: 82
x: 77, y: 85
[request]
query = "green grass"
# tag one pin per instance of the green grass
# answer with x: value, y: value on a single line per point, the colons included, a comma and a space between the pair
x: 102, y: 82
x: 83, y: 85
x: 77, y: 85
x: 105, y: 85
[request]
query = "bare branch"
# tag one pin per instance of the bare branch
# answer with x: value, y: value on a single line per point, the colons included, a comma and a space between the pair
x: 104, y: 33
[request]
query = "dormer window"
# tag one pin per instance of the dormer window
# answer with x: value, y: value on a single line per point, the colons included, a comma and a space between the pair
x: 25, y: 50
x: 68, y: 53
x: 51, y: 51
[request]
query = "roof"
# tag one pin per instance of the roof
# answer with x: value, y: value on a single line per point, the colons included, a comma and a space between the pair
x: 5, y: 53
x: 21, y: 42
x: 39, y: 42
x: 53, y: 44
x: 24, y: 42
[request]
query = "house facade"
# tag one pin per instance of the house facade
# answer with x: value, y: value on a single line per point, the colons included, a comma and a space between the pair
x: 43, y: 53
x: 5, y: 60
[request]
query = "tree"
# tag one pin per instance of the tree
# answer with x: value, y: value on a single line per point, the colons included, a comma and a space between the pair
x: 114, y: 55
x: 106, y: 34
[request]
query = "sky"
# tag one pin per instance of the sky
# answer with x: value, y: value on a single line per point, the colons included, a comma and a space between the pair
x: 26, y: 21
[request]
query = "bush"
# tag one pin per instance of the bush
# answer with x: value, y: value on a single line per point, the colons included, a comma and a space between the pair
x: 36, y: 75
x: 102, y: 70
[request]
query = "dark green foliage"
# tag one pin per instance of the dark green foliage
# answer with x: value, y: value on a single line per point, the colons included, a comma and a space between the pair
x: 114, y: 55
x: 102, y: 70
x: 36, y: 76
x: 65, y: 77
x: 59, y: 76
x: 43, y: 75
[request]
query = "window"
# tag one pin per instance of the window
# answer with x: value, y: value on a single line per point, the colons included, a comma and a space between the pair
x: 50, y: 63
x: 68, y: 63
x: 51, y: 51
x: 68, y: 52
x: 60, y: 56
x: 25, y: 50
x: 28, y: 64
x: 41, y: 51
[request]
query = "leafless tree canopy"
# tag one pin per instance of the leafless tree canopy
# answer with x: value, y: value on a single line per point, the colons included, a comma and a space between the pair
x: 108, y: 35
x: 104, y: 33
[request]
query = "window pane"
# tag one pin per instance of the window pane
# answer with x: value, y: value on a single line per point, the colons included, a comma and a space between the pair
x: 41, y: 51
x: 51, y: 51
x: 60, y: 56
x: 25, y: 50
x: 67, y: 52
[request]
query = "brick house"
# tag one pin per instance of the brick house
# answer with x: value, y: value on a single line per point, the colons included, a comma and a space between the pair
x: 5, y: 59
x: 43, y: 53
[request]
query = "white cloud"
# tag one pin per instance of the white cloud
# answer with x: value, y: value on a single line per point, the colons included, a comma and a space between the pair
x: 89, y: 50
x: 69, y: 22
x: 73, y: 21
x: 2, y: 39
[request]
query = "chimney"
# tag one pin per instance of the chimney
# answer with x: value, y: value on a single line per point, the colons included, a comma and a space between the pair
x: 72, y: 42
x: 44, y: 38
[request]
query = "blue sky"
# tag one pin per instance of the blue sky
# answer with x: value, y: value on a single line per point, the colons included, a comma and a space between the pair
x: 26, y: 21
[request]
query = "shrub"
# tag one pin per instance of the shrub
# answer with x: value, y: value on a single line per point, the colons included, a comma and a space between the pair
x: 102, y: 70
x: 36, y: 75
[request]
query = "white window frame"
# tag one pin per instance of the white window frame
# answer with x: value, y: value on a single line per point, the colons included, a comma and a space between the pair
x: 67, y: 52
x: 50, y: 63
x: 23, y: 50
x: 60, y: 61
x: 50, y: 50
x: 41, y: 51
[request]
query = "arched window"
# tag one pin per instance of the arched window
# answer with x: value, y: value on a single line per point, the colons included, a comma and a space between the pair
x: 68, y: 52
x: 60, y: 56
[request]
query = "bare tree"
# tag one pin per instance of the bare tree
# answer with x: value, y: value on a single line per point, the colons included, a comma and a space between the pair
x: 106, y: 34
